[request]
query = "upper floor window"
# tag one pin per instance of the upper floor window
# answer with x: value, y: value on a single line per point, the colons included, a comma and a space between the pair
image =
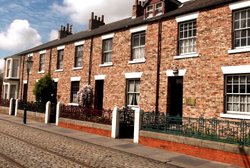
x: 79, y: 56
x: 138, y: 46
x: 74, y: 90
x: 149, y: 11
x: 107, y: 51
x: 187, y: 37
x: 60, y: 59
x: 133, y: 92
x: 158, y: 9
x: 12, y: 67
x: 42, y: 62
x: 237, y: 93
x: 241, y: 28
x: 8, y: 68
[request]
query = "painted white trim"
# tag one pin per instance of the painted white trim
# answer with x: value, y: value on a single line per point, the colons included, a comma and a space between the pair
x: 73, y: 79
x: 182, y: 1
x: 55, y: 79
x: 60, y: 47
x: 137, y: 61
x: 42, y: 52
x: 11, y: 60
x: 108, y: 36
x: 37, y: 80
x: 133, y: 75
x: 100, y: 77
x: 30, y: 55
x: 193, y: 55
x: 79, y: 43
x: 106, y: 64
x: 138, y: 29
x: 187, y: 17
x: 239, y: 5
x: 77, y: 68
x: 239, y: 50
x: 170, y: 73
x: 41, y: 72
x: 73, y: 104
x: 235, y: 116
x: 59, y: 70
x: 24, y: 81
x: 235, y: 69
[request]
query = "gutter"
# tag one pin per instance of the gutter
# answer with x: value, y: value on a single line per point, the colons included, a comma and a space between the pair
x: 90, y: 61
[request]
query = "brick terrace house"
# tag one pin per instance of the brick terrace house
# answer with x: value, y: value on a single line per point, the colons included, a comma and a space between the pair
x: 188, y: 58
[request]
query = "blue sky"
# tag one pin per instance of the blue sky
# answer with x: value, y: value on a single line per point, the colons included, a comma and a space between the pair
x: 28, y: 23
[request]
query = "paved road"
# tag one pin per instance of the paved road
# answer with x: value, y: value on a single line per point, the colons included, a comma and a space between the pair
x: 22, y: 146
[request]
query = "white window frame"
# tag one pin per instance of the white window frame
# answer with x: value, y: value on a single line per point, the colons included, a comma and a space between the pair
x: 150, y: 13
x: 157, y: 14
x: 42, y: 54
x: 8, y: 90
x: 11, y: 68
x: 107, y: 51
x: 71, y: 93
x: 77, y: 56
x: 138, y: 60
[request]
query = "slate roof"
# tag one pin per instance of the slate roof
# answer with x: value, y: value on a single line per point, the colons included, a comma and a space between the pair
x: 190, y: 6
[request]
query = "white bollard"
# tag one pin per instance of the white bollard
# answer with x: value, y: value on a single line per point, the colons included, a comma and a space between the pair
x: 47, y: 112
x: 16, y: 107
x: 115, y: 123
x: 58, y: 109
x: 11, y: 106
x: 137, y: 125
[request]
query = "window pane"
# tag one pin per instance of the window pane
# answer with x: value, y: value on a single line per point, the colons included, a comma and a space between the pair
x: 133, y: 92
x: 74, y: 90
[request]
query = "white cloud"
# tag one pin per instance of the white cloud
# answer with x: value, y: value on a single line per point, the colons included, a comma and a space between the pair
x: 53, y: 35
x: 79, y: 11
x: 19, y: 36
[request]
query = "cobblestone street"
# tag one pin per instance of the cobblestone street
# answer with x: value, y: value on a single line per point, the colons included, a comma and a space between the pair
x: 22, y: 146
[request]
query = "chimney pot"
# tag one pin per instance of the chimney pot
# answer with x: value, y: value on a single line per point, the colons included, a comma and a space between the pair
x: 70, y: 29
x: 95, y: 17
x: 92, y: 15
x: 67, y: 27
x: 102, y: 19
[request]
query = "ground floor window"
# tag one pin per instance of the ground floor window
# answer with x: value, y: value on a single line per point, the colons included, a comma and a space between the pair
x: 74, y: 90
x: 133, y: 92
x: 237, y: 93
x: 5, y: 96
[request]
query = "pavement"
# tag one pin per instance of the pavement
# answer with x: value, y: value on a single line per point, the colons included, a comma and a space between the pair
x: 125, y: 146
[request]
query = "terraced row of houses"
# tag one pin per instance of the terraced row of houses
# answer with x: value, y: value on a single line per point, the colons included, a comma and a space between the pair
x: 185, y: 58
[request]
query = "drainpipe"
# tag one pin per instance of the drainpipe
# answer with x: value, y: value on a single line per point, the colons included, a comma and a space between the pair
x: 158, y: 66
x: 90, y: 61
x: 50, y: 57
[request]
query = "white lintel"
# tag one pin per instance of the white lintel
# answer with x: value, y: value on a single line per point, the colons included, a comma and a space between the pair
x: 108, y: 36
x: 187, y: 17
x: 42, y: 52
x: 24, y: 81
x: 55, y: 79
x: 181, y: 72
x: 78, y: 43
x: 138, y: 29
x: 61, y: 47
x: 100, y: 77
x: 239, y: 5
x: 236, y: 69
x: 30, y: 55
x: 133, y: 75
x: 74, y: 79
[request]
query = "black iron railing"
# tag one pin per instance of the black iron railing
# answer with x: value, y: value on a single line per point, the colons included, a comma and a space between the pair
x: 32, y: 106
x: 86, y: 114
x: 233, y: 132
x: 5, y: 102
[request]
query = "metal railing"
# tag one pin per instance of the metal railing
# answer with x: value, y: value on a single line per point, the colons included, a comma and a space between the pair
x: 32, y: 106
x: 86, y: 114
x: 5, y: 102
x: 233, y: 132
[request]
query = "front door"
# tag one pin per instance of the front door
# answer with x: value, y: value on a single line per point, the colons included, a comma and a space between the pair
x: 99, y: 94
x: 175, y: 96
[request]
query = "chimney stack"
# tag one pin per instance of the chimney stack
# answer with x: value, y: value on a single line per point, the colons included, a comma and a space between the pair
x: 95, y: 21
x: 137, y: 9
x: 65, y: 31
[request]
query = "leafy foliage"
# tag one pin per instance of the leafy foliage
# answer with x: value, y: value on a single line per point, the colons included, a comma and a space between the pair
x: 44, y: 89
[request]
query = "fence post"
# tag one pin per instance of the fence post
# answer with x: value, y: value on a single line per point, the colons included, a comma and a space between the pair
x: 115, y: 123
x: 47, y: 112
x: 11, y: 106
x: 58, y: 109
x: 16, y: 107
x: 137, y: 125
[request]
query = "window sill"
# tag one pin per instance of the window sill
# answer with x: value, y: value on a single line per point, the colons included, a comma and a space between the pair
x: 239, y: 50
x: 11, y: 77
x: 73, y: 104
x: 77, y: 68
x: 183, y: 56
x: 106, y: 64
x: 41, y: 72
x: 137, y: 61
x: 59, y: 70
x: 235, y: 116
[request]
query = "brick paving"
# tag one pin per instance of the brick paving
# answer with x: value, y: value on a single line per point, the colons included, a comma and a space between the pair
x: 28, y: 147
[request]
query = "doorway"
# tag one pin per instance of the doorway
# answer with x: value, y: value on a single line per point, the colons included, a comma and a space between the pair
x: 175, y: 96
x: 99, y: 94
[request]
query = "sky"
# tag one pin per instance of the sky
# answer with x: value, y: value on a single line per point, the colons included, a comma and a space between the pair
x: 27, y: 23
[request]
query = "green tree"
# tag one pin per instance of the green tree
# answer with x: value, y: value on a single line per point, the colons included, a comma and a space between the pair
x: 44, y: 89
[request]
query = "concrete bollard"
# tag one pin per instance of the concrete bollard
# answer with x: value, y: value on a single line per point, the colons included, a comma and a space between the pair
x: 11, y: 106
x: 58, y: 109
x: 115, y: 123
x: 47, y: 112
x: 137, y: 125
x: 16, y: 107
